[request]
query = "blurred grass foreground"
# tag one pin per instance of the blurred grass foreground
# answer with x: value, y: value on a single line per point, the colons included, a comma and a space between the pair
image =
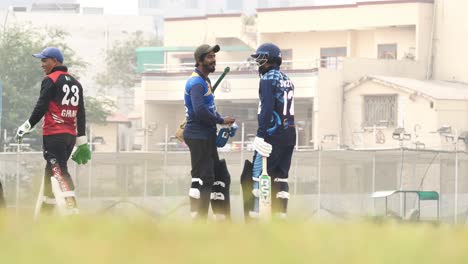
x: 110, y: 239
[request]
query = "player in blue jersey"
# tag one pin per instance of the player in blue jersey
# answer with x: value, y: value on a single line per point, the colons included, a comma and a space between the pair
x: 276, y: 133
x: 200, y: 136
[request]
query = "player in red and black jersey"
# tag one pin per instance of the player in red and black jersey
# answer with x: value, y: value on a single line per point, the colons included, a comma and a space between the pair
x: 61, y: 103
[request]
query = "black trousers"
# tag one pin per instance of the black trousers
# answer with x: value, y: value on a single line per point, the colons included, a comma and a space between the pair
x: 203, y: 156
x: 278, y: 165
x: 59, y: 148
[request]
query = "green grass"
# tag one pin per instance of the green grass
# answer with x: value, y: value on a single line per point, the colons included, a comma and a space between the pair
x: 107, y: 239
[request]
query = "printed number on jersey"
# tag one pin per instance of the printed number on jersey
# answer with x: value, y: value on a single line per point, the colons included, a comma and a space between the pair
x: 288, y: 97
x: 72, y: 95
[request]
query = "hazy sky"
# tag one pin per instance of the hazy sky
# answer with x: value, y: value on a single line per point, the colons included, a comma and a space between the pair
x: 130, y: 7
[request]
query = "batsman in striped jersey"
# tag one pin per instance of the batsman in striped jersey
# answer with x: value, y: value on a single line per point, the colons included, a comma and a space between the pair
x: 274, y: 141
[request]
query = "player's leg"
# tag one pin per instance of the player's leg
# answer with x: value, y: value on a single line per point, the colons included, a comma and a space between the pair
x: 250, y: 186
x: 279, y: 163
x: 202, y: 177
x: 220, y: 198
x: 247, y: 188
x: 2, y: 197
x: 47, y: 196
x: 57, y: 150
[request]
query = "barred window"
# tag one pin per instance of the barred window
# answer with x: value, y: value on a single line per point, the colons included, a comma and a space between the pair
x: 380, y: 109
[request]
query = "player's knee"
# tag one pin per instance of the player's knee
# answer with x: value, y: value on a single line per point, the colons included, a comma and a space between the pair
x: 219, y: 190
x: 195, y: 187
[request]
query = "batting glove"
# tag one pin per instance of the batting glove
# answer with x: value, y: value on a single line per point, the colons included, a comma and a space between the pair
x: 233, y: 129
x: 82, y: 154
x: 263, y: 148
x: 24, y: 129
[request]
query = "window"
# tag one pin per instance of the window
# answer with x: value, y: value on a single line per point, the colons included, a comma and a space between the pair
x: 380, y: 109
x: 263, y: 4
x: 234, y: 5
x: 286, y: 56
x: 191, y: 3
x: 387, y: 51
x: 150, y: 3
x: 329, y: 56
x: 93, y: 10
x: 284, y: 3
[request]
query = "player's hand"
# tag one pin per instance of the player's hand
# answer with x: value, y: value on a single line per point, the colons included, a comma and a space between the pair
x: 263, y: 148
x: 228, y: 120
x: 82, y: 154
x: 24, y: 129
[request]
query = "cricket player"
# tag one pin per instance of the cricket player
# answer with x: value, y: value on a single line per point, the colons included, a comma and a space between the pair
x: 276, y: 133
x: 62, y: 106
x: 200, y: 136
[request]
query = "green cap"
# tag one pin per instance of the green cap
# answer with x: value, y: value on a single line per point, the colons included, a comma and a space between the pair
x: 204, y: 49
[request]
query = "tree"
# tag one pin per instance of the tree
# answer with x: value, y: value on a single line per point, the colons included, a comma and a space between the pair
x: 121, y: 62
x: 21, y: 74
x: 97, y: 110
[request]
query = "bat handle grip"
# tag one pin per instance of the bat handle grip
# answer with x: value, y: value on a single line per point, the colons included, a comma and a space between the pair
x: 264, y: 165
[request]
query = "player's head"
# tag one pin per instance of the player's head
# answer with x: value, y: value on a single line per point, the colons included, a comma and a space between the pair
x: 205, y: 56
x: 267, y: 53
x: 50, y: 57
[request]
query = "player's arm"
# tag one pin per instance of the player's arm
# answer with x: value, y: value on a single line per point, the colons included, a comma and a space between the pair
x: 267, y: 101
x: 264, y: 117
x: 81, y: 116
x: 82, y: 153
x: 47, y: 93
x: 201, y: 109
x: 42, y: 105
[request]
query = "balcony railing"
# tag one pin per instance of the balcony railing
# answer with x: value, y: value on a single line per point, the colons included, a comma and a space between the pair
x: 239, y: 66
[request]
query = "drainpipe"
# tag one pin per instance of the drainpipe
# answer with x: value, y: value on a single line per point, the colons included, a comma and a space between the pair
x: 430, y: 53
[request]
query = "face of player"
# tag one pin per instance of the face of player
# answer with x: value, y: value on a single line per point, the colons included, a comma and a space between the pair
x: 209, y: 63
x: 48, y: 64
x: 264, y: 68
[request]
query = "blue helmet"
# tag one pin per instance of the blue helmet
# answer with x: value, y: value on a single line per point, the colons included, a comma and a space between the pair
x: 267, y: 52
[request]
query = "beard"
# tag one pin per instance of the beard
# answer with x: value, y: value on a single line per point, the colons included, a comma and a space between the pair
x: 209, y: 67
x: 262, y: 70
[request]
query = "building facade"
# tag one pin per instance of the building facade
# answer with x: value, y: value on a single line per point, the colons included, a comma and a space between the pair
x: 325, y: 49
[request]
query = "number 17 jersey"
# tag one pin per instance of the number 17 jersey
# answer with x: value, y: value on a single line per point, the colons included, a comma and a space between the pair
x: 276, y: 109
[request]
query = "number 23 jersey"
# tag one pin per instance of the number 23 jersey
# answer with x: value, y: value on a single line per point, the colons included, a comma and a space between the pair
x: 61, y: 103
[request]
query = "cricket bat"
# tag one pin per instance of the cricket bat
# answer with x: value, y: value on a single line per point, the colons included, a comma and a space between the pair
x: 264, y: 211
x: 221, y: 77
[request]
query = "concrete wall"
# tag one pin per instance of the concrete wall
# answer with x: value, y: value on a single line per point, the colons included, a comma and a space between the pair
x: 356, y: 68
x: 414, y: 113
x: 328, y: 107
x: 350, y: 17
x: 450, y: 41
x: 359, y: 43
x: 109, y: 133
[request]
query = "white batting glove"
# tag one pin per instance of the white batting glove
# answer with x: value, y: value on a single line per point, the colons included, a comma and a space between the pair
x: 24, y: 129
x: 263, y: 148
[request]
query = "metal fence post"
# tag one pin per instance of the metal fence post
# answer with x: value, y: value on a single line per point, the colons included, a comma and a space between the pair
x: 319, y: 180
x: 456, y: 186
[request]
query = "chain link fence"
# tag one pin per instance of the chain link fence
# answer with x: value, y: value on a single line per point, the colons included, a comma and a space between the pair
x: 336, y: 184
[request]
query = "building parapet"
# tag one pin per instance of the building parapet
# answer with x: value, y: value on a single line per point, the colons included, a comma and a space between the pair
x: 244, y: 66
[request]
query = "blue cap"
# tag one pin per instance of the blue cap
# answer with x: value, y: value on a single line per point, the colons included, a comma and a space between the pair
x: 50, y: 52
